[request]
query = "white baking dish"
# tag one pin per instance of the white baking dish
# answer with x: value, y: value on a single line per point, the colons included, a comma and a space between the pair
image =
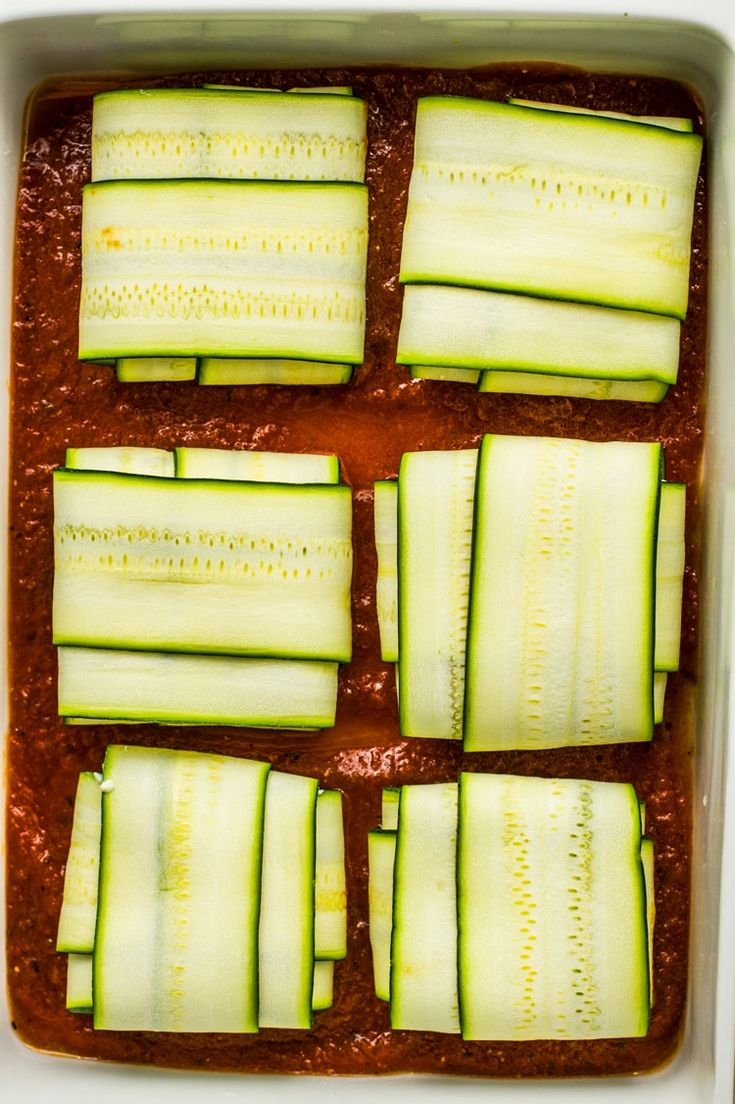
x: 39, y: 39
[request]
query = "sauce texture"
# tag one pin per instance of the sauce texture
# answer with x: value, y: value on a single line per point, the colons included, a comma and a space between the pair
x: 57, y: 401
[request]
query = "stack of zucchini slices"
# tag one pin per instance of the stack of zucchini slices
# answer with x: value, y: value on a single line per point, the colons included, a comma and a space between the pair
x: 201, y: 586
x: 530, y: 592
x: 513, y: 908
x: 546, y: 252
x: 225, y: 233
x: 202, y: 893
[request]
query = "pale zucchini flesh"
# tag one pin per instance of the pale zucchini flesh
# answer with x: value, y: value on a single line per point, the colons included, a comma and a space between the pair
x: 390, y: 801
x: 272, y: 566
x: 176, y: 946
x: 385, y: 519
x: 660, y: 679
x: 444, y: 374
x: 78, y: 918
x: 190, y: 268
x: 553, y: 940
x: 255, y: 465
x: 330, y: 888
x: 219, y: 132
x: 563, y: 206
x: 381, y: 860
x: 286, y: 930
x: 423, y: 977
x: 487, y: 330
x: 131, y: 459
x: 560, y: 640
x: 669, y: 122
x: 322, y: 996
x: 79, y: 983
x: 216, y: 372
x: 156, y: 369
x: 176, y: 688
x: 435, y: 514
x: 534, y: 383
x: 670, y: 559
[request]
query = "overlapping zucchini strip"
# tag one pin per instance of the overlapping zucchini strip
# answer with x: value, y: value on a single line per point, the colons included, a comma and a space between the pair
x: 187, y: 273
x: 194, y: 895
x: 174, y: 571
x: 538, y: 591
x: 510, y: 908
x: 528, y: 230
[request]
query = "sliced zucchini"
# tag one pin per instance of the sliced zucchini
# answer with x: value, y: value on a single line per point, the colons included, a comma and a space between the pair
x: 326, y: 90
x: 322, y: 996
x: 237, y: 373
x: 202, y: 566
x: 647, y: 861
x: 670, y: 557
x: 564, y: 206
x: 256, y: 466
x: 532, y: 383
x: 466, y: 328
x: 389, y: 808
x: 551, y: 904
x: 79, y: 989
x: 156, y: 369
x: 560, y: 640
x: 219, y: 132
x: 78, y: 918
x: 669, y: 122
x: 385, y: 518
x: 381, y: 860
x: 447, y: 375
x: 286, y: 932
x: 189, y: 268
x: 330, y: 888
x: 436, y: 492
x: 166, y: 688
x: 180, y: 872
x: 659, y: 696
x: 132, y: 459
x: 423, y: 977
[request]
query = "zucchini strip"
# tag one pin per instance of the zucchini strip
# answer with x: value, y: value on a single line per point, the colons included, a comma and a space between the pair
x: 322, y: 996
x: 129, y: 459
x: 79, y: 987
x: 534, y: 383
x: 255, y: 466
x: 670, y: 559
x: 330, y: 888
x: 669, y: 122
x: 214, y: 372
x: 381, y: 861
x: 78, y: 918
x: 156, y: 369
x: 385, y: 518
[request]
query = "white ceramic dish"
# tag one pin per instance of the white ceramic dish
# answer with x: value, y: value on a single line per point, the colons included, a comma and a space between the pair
x: 39, y: 38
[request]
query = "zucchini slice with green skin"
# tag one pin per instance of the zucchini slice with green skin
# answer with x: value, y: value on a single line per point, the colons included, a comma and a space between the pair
x: 659, y: 696
x: 436, y: 494
x: 552, y: 910
x: 381, y: 861
x: 389, y: 808
x: 325, y: 90
x: 647, y: 861
x: 272, y: 564
x: 130, y: 459
x: 467, y: 328
x: 564, y: 206
x: 156, y: 369
x: 78, y: 917
x: 385, y: 518
x: 184, y: 268
x: 79, y: 988
x: 669, y: 122
x: 180, y: 877
x: 445, y: 375
x: 561, y: 622
x: 286, y: 931
x: 216, y: 372
x: 533, y: 383
x: 221, y: 132
x: 330, y: 887
x: 670, y: 557
x: 174, y: 688
x: 322, y: 996
x: 423, y: 977
x: 255, y: 466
